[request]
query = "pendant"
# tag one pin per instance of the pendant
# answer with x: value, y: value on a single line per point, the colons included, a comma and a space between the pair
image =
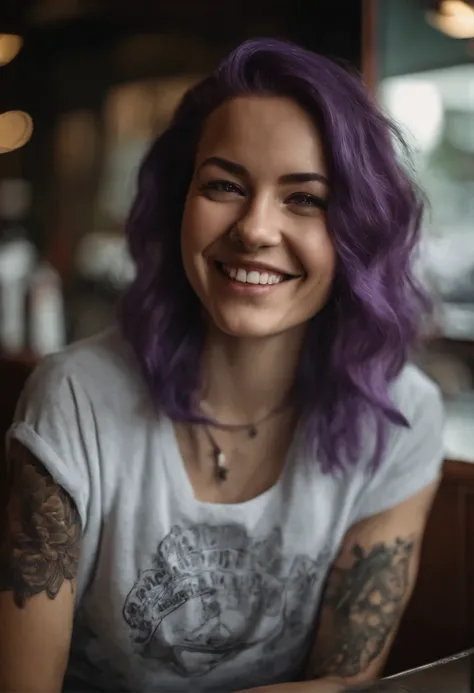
x: 222, y: 473
x: 252, y: 431
x: 222, y: 469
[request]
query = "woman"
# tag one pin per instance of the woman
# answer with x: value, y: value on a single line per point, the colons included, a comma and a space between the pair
x: 231, y: 490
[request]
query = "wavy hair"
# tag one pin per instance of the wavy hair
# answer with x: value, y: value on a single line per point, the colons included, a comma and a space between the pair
x: 357, y: 345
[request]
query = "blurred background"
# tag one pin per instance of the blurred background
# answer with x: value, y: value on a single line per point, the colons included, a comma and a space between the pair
x: 86, y: 84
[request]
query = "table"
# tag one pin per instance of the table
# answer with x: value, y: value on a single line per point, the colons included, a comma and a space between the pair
x: 451, y: 675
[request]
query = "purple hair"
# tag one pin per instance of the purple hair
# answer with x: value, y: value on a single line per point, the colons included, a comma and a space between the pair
x: 359, y: 342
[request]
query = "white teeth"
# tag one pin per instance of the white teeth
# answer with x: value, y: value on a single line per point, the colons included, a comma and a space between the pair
x: 252, y: 277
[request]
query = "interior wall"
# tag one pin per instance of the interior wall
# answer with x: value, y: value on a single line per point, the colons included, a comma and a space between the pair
x: 406, y: 43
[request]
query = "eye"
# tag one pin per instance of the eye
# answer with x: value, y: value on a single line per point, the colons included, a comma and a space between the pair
x: 306, y: 200
x: 222, y: 187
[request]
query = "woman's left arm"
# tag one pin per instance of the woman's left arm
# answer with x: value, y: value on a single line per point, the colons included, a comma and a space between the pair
x: 367, y: 590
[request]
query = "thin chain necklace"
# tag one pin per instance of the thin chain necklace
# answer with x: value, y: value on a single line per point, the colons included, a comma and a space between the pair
x: 220, y: 460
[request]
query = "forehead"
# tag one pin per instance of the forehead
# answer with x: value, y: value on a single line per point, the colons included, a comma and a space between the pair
x: 273, y: 133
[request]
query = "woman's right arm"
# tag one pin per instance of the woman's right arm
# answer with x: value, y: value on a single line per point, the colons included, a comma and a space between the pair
x: 39, y: 555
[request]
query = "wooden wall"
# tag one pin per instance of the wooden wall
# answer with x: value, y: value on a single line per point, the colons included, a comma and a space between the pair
x: 439, y: 620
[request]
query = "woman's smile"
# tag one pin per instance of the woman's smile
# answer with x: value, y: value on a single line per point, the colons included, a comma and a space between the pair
x: 250, y: 280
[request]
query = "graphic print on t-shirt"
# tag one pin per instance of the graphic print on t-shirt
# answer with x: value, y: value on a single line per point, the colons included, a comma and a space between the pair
x: 214, y: 592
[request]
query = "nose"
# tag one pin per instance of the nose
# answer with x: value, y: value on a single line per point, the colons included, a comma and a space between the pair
x: 258, y: 227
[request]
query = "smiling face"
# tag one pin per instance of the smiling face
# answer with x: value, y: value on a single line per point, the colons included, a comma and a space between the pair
x: 255, y: 245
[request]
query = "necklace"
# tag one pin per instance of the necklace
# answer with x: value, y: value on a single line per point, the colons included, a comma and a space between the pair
x: 250, y: 428
x: 220, y: 460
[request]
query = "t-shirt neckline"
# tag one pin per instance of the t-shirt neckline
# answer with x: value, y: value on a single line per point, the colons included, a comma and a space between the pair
x: 180, y: 479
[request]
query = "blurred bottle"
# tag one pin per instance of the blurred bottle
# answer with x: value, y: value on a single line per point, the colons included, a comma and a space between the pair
x: 31, y: 299
x: 46, y: 311
x: 17, y: 259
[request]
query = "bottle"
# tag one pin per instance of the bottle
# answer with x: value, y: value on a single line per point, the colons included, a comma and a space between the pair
x: 46, y: 311
x: 17, y: 259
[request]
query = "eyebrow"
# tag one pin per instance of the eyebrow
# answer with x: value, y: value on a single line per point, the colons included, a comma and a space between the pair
x: 239, y: 170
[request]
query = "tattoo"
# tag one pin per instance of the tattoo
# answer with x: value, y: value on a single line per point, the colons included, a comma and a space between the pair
x: 39, y: 547
x: 361, y: 607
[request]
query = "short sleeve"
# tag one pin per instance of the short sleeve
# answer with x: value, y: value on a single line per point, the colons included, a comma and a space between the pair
x: 414, y: 456
x: 53, y: 420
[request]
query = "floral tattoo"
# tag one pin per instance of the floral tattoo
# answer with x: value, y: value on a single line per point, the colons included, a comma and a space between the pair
x: 40, y: 543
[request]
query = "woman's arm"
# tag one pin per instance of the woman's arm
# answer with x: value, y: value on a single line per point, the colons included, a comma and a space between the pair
x: 365, y: 595
x: 39, y: 554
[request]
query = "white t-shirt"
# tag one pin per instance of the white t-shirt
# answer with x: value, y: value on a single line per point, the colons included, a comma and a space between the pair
x: 179, y: 595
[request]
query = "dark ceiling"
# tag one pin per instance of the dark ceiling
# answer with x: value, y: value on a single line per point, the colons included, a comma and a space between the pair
x: 71, y: 23
x: 44, y: 15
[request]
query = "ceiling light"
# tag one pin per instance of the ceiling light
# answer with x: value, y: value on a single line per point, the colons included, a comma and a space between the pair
x: 454, y: 18
x: 10, y: 46
x: 16, y: 128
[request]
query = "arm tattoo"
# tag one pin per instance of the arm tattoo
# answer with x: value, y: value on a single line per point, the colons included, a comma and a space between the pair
x: 361, y: 606
x: 39, y: 547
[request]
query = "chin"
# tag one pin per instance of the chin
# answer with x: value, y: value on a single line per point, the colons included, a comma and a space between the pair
x: 249, y: 327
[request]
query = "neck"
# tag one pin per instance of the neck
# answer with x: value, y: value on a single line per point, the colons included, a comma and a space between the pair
x: 245, y: 379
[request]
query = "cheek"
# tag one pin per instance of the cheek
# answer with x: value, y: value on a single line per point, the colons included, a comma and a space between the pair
x: 318, y: 254
x: 191, y: 225
x: 202, y: 224
x: 190, y: 241
x: 198, y: 233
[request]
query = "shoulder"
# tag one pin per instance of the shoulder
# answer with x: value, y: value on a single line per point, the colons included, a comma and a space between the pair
x: 416, y: 396
x: 414, y: 451
x: 101, y: 368
x: 107, y: 349
x: 71, y: 398
x: 413, y: 454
